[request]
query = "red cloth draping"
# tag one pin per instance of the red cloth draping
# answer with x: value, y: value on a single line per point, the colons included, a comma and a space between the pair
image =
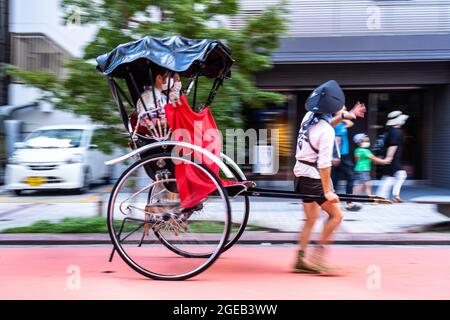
x: 199, y: 129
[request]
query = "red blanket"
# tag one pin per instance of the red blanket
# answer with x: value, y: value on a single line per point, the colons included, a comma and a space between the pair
x: 199, y: 129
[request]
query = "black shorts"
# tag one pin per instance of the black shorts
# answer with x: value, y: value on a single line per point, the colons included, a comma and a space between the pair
x: 309, y: 186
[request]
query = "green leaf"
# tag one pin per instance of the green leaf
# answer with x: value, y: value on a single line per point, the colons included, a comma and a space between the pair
x: 85, y: 91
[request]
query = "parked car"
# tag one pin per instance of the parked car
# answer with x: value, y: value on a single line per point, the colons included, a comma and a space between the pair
x: 57, y: 157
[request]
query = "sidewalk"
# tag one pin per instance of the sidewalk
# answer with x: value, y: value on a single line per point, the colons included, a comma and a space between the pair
x: 374, y: 224
x: 287, y: 216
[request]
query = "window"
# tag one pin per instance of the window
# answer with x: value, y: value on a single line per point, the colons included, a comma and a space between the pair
x: 55, y: 138
x: 36, y: 52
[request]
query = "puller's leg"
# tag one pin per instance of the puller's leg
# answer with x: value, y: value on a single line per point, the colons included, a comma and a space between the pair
x: 312, y: 211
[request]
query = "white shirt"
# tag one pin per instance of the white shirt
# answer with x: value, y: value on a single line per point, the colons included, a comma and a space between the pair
x: 321, y: 136
x: 149, y: 102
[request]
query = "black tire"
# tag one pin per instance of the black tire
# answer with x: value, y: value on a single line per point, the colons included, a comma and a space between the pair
x: 86, y: 184
x: 17, y: 192
x: 141, y: 270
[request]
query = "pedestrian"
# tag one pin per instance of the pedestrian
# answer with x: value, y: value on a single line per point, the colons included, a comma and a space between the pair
x: 344, y: 165
x: 312, y: 170
x: 393, y: 176
x: 363, y: 164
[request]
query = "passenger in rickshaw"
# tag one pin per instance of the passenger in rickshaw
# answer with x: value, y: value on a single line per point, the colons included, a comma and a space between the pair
x: 149, y: 122
x: 156, y: 124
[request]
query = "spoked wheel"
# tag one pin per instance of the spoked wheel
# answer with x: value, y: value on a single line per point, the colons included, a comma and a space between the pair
x: 240, y: 208
x: 144, y: 208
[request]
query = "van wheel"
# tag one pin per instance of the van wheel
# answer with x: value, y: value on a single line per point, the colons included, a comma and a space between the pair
x: 17, y: 192
x: 86, y: 182
x: 107, y: 179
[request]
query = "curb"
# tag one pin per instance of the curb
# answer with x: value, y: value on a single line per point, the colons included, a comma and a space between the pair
x: 253, y: 242
x: 250, y: 237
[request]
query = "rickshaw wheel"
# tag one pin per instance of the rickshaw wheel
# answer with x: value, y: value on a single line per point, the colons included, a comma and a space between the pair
x: 243, y: 224
x: 152, y: 261
x: 234, y: 237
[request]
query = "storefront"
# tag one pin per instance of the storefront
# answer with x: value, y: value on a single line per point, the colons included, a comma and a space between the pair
x: 407, y: 73
x: 4, y: 49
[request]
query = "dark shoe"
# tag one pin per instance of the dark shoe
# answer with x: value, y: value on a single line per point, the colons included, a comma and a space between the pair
x: 353, y: 207
x: 197, y: 207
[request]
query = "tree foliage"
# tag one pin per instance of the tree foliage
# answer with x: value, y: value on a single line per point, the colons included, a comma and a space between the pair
x: 85, y: 91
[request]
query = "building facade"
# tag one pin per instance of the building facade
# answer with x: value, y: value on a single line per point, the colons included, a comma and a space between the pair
x: 39, y: 40
x: 4, y: 48
x: 389, y: 54
x: 392, y: 55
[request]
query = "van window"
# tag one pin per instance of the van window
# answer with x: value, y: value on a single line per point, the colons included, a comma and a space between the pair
x: 102, y: 138
x: 55, y: 138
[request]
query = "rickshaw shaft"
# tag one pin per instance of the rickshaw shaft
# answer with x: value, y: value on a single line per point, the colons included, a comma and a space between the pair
x: 266, y: 193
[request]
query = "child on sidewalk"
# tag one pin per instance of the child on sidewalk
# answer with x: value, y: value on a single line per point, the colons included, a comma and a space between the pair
x: 363, y: 159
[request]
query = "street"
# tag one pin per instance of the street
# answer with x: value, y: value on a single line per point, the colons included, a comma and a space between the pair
x: 253, y: 269
x: 273, y: 214
x: 244, y: 272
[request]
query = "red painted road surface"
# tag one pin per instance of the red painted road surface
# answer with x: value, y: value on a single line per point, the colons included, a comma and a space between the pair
x: 244, y: 272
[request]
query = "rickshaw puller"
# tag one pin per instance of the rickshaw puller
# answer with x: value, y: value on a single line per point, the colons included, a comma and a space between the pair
x: 312, y: 171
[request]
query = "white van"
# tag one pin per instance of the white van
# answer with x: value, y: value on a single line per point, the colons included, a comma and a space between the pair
x: 57, y: 157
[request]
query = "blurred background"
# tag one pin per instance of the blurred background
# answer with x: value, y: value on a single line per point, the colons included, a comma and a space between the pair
x: 391, y: 55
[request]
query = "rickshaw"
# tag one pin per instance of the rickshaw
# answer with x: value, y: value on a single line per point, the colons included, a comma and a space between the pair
x: 178, y: 205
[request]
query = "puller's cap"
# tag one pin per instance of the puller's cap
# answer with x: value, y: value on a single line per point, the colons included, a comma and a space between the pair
x: 326, y: 98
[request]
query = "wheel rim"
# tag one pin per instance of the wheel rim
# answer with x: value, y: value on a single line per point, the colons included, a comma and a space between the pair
x: 241, y: 206
x: 155, y: 269
x: 237, y: 220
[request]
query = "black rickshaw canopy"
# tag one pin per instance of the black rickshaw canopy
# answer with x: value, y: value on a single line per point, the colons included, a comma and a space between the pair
x: 188, y: 57
x: 135, y: 63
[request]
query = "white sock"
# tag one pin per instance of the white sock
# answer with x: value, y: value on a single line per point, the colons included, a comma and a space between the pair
x: 400, y: 177
x: 385, y: 187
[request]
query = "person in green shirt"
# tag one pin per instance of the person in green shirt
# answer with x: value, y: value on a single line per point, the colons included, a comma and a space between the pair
x: 363, y: 159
